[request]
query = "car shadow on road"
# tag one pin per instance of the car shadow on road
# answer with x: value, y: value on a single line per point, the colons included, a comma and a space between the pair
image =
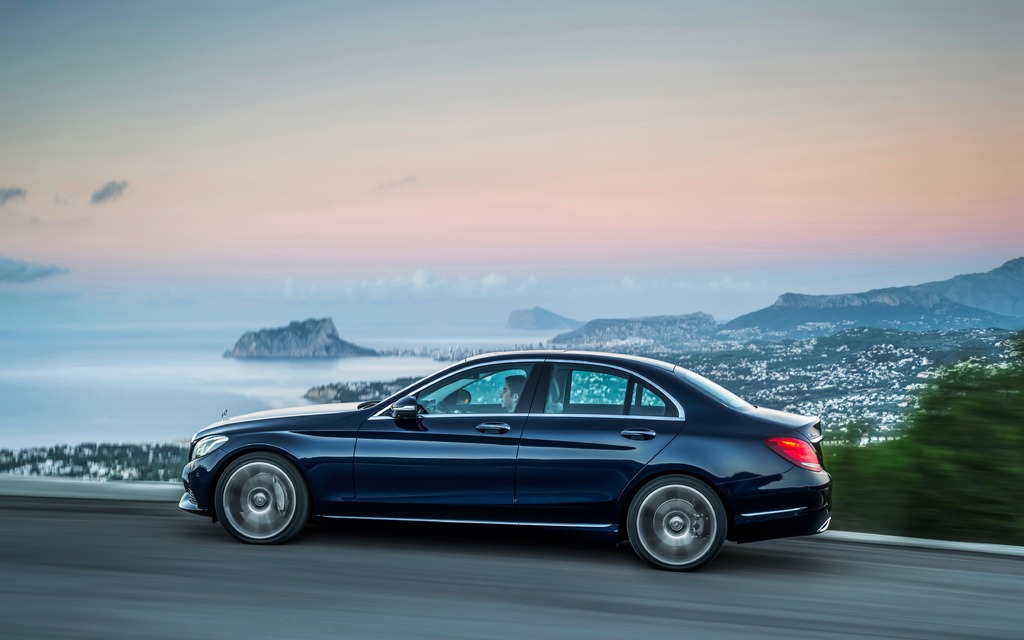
x: 481, y: 538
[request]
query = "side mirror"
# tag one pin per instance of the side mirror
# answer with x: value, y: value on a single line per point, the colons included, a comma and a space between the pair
x: 407, y: 407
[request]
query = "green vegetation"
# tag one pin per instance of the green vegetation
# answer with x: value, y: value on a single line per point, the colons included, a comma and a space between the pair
x: 958, y: 471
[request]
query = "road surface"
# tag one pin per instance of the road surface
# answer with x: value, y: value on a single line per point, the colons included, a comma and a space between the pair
x: 122, y: 569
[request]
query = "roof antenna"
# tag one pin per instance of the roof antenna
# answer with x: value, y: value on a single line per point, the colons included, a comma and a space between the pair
x: 224, y: 416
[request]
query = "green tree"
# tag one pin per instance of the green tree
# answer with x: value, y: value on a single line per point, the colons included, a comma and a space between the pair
x: 958, y: 471
x: 965, y: 454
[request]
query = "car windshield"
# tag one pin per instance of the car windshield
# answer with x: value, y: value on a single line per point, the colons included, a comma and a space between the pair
x: 716, y: 391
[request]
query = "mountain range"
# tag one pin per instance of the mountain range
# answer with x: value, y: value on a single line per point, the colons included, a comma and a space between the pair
x: 994, y: 299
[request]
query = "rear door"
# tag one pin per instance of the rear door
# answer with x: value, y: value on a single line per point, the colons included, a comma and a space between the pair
x: 592, y: 429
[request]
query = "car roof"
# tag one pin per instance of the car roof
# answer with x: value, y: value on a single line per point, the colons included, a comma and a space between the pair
x: 566, y: 354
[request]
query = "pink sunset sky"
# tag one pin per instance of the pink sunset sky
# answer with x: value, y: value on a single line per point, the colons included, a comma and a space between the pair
x: 601, y: 159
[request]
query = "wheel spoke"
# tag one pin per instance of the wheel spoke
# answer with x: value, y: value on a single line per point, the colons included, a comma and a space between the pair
x: 259, y: 499
x: 676, y: 524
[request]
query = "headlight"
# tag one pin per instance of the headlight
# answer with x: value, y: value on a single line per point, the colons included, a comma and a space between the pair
x: 206, y: 445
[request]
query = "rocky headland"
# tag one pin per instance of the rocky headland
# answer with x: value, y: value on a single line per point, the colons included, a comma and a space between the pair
x: 539, y: 318
x: 312, y: 338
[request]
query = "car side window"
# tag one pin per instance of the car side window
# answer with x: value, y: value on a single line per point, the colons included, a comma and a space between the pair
x: 586, y: 390
x: 647, y: 402
x: 480, y: 390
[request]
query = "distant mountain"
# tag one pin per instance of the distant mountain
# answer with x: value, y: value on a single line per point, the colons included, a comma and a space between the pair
x: 539, y: 318
x: 312, y: 338
x: 977, y: 300
x: 1000, y: 291
x: 673, y: 332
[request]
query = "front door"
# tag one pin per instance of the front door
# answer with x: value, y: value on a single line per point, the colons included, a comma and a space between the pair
x: 457, y: 459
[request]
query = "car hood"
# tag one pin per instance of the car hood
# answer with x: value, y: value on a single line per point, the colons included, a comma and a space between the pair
x: 235, y: 423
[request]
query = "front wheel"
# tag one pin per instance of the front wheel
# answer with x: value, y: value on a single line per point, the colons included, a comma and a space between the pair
x: 676, y: 523
x: 261, y: 499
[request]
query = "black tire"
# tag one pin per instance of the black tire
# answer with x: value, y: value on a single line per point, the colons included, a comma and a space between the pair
x: 676, y: 523
x: 261, y: 498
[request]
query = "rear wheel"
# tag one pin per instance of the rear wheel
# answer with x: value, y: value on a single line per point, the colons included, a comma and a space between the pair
x: 262, y: 499
x: 676, y: 523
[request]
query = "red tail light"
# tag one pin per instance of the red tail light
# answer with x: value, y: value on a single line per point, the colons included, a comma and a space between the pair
x: 797, y: 451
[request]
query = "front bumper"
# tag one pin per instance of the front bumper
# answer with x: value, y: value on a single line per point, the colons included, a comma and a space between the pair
x: 186, y: 504
x: 198, y: 478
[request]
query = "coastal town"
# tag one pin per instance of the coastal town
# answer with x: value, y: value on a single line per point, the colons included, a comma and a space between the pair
x: 864, y: 383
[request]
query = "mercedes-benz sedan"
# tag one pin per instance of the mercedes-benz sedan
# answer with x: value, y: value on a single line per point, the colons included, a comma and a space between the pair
x: 631, y: 446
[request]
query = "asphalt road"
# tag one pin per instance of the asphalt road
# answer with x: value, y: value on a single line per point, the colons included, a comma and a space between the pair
x: 111, y: 569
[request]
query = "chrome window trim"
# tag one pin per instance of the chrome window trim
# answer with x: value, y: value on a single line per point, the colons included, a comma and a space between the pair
x: 469, y: 365
x: 605, y: 416
x: 555, y: 361
x: 575, y: 416
x: 427, y: 416
x: 679, y: 407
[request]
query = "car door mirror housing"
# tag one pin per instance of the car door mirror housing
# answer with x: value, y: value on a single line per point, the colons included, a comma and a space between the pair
x: 407, y: 407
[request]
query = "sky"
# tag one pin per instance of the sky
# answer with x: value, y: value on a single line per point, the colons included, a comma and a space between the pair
x: 402, y: 163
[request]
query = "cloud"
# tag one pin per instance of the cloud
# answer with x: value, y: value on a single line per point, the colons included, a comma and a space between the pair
x: 11, y: 193
x: 423, y: 279
x: 493, y: 280
x: 528, y: 285
x: 12, y: 270
x: 725, y: 283
x: 427, y: 285
x: 630, y: 283
x: 110, y: 191
x: 396, y: 184
x: 728, y: 283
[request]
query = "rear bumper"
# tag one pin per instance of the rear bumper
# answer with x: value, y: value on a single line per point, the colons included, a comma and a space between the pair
x: 796, y: 503
x: 784, y: 526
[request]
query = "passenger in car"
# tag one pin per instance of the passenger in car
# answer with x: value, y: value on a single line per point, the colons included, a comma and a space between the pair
x: 554, y: 402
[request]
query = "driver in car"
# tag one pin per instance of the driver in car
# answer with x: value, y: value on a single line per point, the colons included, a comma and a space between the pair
x: 510, y: 392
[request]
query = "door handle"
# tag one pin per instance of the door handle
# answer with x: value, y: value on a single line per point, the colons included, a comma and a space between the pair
x: 639, y: 434
x: 493, y: 427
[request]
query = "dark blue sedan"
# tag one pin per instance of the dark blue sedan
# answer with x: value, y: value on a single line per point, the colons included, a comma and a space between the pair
x: 631, y: 446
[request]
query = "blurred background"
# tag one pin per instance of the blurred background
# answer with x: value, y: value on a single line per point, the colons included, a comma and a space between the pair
x: 175, y: 175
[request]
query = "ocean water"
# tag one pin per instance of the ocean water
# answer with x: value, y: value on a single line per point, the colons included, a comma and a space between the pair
x: 133, y: 385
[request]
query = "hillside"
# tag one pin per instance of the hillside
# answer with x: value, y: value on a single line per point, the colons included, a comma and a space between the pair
x: 669, y: 332
x: 978, y: 300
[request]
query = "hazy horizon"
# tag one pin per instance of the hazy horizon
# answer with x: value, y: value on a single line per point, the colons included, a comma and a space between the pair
x: 422, y: 307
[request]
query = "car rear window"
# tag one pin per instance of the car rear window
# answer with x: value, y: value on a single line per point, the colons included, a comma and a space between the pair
x: 712, y: 389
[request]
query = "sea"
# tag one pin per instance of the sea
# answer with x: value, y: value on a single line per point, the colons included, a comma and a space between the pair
x: 123, y: 384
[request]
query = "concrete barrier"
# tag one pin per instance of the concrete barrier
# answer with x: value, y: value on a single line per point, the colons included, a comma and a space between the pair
x: 46, y: 487
x: 921, y: 543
